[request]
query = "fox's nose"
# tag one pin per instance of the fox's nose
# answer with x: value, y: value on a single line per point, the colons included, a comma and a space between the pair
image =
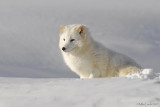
x: 63, y: 48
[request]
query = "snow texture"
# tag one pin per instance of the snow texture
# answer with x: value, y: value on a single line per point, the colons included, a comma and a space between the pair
x: 145, y: 74
x: 104, y: 92
x: 141, y: 89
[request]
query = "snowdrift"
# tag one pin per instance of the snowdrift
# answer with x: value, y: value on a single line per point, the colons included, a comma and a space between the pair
x: 130, y: 91
x: 145, y: 74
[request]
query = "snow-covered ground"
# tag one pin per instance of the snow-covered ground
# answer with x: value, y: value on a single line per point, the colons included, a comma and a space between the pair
x: 29, y: 48
x: 136, y: 90
x: 105, y: 92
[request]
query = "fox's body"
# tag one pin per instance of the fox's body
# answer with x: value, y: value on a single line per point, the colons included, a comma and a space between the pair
x: 90, y: 59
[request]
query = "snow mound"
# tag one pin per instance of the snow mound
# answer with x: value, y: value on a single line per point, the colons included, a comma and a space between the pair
x: 145, y: 74
x: 65, y: 92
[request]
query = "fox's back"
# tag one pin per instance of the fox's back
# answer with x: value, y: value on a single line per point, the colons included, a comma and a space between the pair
x: 115, y: 59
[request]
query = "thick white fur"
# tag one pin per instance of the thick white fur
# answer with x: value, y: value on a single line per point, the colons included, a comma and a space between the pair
x: 90, y: 59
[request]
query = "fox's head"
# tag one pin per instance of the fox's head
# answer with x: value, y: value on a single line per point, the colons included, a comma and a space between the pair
x: 72, y: 37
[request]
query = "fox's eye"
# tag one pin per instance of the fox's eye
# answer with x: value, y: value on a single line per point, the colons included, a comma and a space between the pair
x: 72, y: 40
x: 64, y: 39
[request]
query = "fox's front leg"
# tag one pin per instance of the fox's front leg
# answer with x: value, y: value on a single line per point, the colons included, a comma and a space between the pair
x: 82, y: 77
x: 94, y: 74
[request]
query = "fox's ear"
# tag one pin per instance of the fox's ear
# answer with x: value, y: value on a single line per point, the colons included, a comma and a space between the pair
x: 81, y: 30
x: 61, y: 28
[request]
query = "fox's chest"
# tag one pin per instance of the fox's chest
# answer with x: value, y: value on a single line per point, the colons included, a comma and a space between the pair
x: 83, y: 64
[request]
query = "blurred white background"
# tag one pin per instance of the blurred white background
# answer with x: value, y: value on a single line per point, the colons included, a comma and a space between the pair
x: 29, y: 33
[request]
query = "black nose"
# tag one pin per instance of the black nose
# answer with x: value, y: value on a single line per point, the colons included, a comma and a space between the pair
x: 63, y: 48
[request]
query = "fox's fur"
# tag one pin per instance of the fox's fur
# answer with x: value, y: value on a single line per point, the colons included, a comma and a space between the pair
x: 90, y: 59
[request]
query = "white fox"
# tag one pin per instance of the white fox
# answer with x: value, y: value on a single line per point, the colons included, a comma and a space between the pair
x: 90, y: 59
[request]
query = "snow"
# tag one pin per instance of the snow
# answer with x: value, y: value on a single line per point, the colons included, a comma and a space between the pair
x: 136, y: 90
x: 145, y: 74
x: 33, y: 73
x: 113, y: 92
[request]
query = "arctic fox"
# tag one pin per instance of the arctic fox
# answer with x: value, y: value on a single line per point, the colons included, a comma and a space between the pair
x: 90, y: 59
